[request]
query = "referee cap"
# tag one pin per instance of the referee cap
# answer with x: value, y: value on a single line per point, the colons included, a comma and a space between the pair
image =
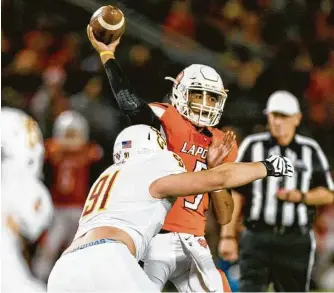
x: 282, y: 102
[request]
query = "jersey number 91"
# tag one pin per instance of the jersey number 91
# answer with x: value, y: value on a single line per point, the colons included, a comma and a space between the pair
x: 99, y: 194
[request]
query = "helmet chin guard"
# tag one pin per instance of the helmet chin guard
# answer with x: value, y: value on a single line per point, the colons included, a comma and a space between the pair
x: 203, y: 79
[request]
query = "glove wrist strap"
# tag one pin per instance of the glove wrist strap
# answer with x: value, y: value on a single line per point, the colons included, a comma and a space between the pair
x: 270, y: 168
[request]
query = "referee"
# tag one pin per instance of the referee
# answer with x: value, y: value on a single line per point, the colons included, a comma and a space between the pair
x: 278, y: 244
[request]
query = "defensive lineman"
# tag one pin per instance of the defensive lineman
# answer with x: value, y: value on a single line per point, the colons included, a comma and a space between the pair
x: 127, y: 206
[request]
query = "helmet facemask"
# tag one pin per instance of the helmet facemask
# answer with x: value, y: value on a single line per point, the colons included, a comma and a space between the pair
x: 204, y: 107
x: 72, y: 139
x: 201, y: 100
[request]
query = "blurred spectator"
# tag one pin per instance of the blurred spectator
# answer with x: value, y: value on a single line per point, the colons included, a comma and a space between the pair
x: 89, y: 103
x: 49, y: 101
x: 142, y: 61
x: 6, y: 53
x: 179, y: 22
x: 281, y: 74
x: 22, y: 74
x: 104, y: 120
x: 67, y: 55
x: 180, y: 19
x: 39, y: 42
x: 320, y: 92
x: 242, y: 104
x: 249, y: 33
x: 233, y: 10
x: 209, y: 34
x: 273, y: 28
x: 12, y: 98
x: 139, y: 67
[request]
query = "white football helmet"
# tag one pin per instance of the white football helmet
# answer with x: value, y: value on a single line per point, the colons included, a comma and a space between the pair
x: 201, y: 78
x: 137, y: 140
x: 22, y: 146
x: 67, y: 127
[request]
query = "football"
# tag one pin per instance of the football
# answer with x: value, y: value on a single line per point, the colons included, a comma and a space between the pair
x: 108, y: 24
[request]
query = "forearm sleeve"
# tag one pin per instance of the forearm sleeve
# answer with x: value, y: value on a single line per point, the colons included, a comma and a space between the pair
x: 136, y: 108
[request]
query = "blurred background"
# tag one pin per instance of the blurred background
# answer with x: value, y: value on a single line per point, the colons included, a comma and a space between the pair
x: 258, y: 47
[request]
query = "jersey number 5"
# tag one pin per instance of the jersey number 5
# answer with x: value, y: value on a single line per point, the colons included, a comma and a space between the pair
x: 99, y: 194
x: 198, y: 198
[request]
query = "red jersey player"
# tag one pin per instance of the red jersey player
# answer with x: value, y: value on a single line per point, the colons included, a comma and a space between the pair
x: 69, y: 156
x: 179, y: 253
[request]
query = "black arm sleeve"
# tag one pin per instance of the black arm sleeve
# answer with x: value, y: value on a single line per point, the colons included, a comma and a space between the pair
x: 137, y: 109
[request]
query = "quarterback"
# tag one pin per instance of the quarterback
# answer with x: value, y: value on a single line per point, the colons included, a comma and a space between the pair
x: 198, y: 97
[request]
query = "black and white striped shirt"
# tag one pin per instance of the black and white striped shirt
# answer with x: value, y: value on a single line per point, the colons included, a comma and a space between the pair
x: 311, y: 170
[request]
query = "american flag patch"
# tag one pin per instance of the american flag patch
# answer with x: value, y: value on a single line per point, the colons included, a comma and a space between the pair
x: 126, y: 144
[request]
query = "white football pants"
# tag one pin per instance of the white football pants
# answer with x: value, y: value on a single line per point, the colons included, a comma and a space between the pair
x: 183, y: 259
x: 108, y: 267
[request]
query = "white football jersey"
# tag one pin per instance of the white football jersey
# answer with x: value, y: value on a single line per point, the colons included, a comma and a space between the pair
x: 27, y: 200
x: 120, y: 198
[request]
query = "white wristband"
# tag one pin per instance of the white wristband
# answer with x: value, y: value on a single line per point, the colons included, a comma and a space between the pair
x: 218, y: 190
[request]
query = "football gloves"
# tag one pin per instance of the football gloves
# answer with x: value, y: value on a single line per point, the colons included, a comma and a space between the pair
x: 278, y: 166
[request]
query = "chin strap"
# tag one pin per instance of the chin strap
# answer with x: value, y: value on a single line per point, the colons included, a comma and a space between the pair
x: 172, y: 79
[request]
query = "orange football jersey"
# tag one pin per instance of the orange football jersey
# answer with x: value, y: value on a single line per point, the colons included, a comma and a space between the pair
x: 188, y: 213
x: 70, y: 172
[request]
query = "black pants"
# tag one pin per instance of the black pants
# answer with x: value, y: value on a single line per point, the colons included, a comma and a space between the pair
x: 284, y: 259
